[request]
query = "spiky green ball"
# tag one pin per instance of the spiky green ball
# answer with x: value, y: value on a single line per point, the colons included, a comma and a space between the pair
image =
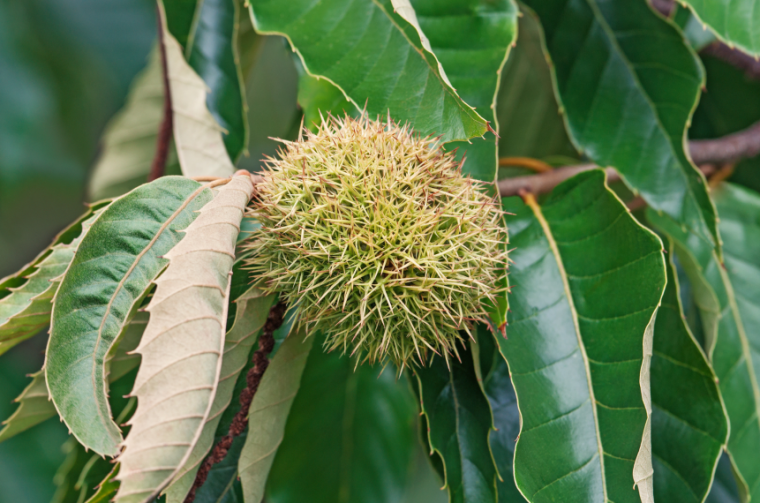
x: 380, y: 240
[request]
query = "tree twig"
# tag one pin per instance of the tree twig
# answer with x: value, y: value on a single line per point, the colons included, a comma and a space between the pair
x: 158, y: 166
x: 727, y: 149
x: 253, y: 379
x: 542, y: 183
x: 749, y: 65
x: 705, y: 153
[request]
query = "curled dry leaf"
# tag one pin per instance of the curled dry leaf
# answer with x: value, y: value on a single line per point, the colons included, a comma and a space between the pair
x: 182, y: 348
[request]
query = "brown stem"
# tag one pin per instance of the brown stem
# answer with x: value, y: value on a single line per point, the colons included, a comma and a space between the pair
x: 705, y: 153
x: 749, y: 65
x: 253, y: 379
x: 727, y: 149
x: 545, y: 182
x: 158, y: 166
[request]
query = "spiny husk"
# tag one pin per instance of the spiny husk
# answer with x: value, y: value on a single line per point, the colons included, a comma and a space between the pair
x: 378, y: 238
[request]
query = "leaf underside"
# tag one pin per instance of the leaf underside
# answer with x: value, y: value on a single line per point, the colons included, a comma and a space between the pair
x: 182, y: 348
x: 197, y: 135
x: 269, y: 412
x: 251, y: 313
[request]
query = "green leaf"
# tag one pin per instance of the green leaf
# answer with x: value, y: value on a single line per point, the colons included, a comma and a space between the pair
x: 111, y: 271
x: 459, y: 422
x: 197, y: 135
x: 362, y: 421
x: 182, y: 348
x: 689, y: 425
x: 506, y: 417
x: 526, y: 108
x: 25, y: 297
x: 318, y: 97
x: 472, y: 39
x: 728, y: 299
x: 107, y: 488
x: 269, y: 412
x: 587, y: 279
x: 251, y: 314
x: 724, y: 489
x: 628, y: 84
x: 696, y: 33
x: 34, y: 407
x: 130, y: 139
x: 736, y: 22
x: 375, y: 56
x: 212, y: 51
x: 34, y: 402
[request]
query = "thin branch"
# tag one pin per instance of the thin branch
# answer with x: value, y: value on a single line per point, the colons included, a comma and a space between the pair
x: 542, y: 183
x: 749, y: 65
x: 158, y: 166
x: 253, y: 379
x: 727, y: 149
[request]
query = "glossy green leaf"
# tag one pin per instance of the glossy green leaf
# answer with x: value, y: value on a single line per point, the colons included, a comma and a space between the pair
x: 112, y: 270
x: 724, y: 489
x: 587, y: 280
x: 689, y: 425
x: 459, y: 422
x: 628, y: 84
x: 252, y: 310
x: 25, y: 304
x: 318, y: 97
x: 269, y: 413
x: 374, y: 56
x: 363, y: 425
x: 34, y: 407
x: 472, y: 39
x: 728, y: 300
x: 212, y: 51
x: 526, y: 108
x: 735, y: 22
x: 506, y: 417
x: 130, y: 139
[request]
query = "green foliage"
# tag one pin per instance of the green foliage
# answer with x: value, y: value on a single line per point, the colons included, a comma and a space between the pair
x: 103, y: 286
x: 626, y: 369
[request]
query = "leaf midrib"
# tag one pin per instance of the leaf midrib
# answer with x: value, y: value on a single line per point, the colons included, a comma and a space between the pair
x: 533, y: 205
x: 105, y: 421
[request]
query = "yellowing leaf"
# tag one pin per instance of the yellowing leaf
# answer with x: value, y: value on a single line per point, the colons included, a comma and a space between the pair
x: 182, y: 348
